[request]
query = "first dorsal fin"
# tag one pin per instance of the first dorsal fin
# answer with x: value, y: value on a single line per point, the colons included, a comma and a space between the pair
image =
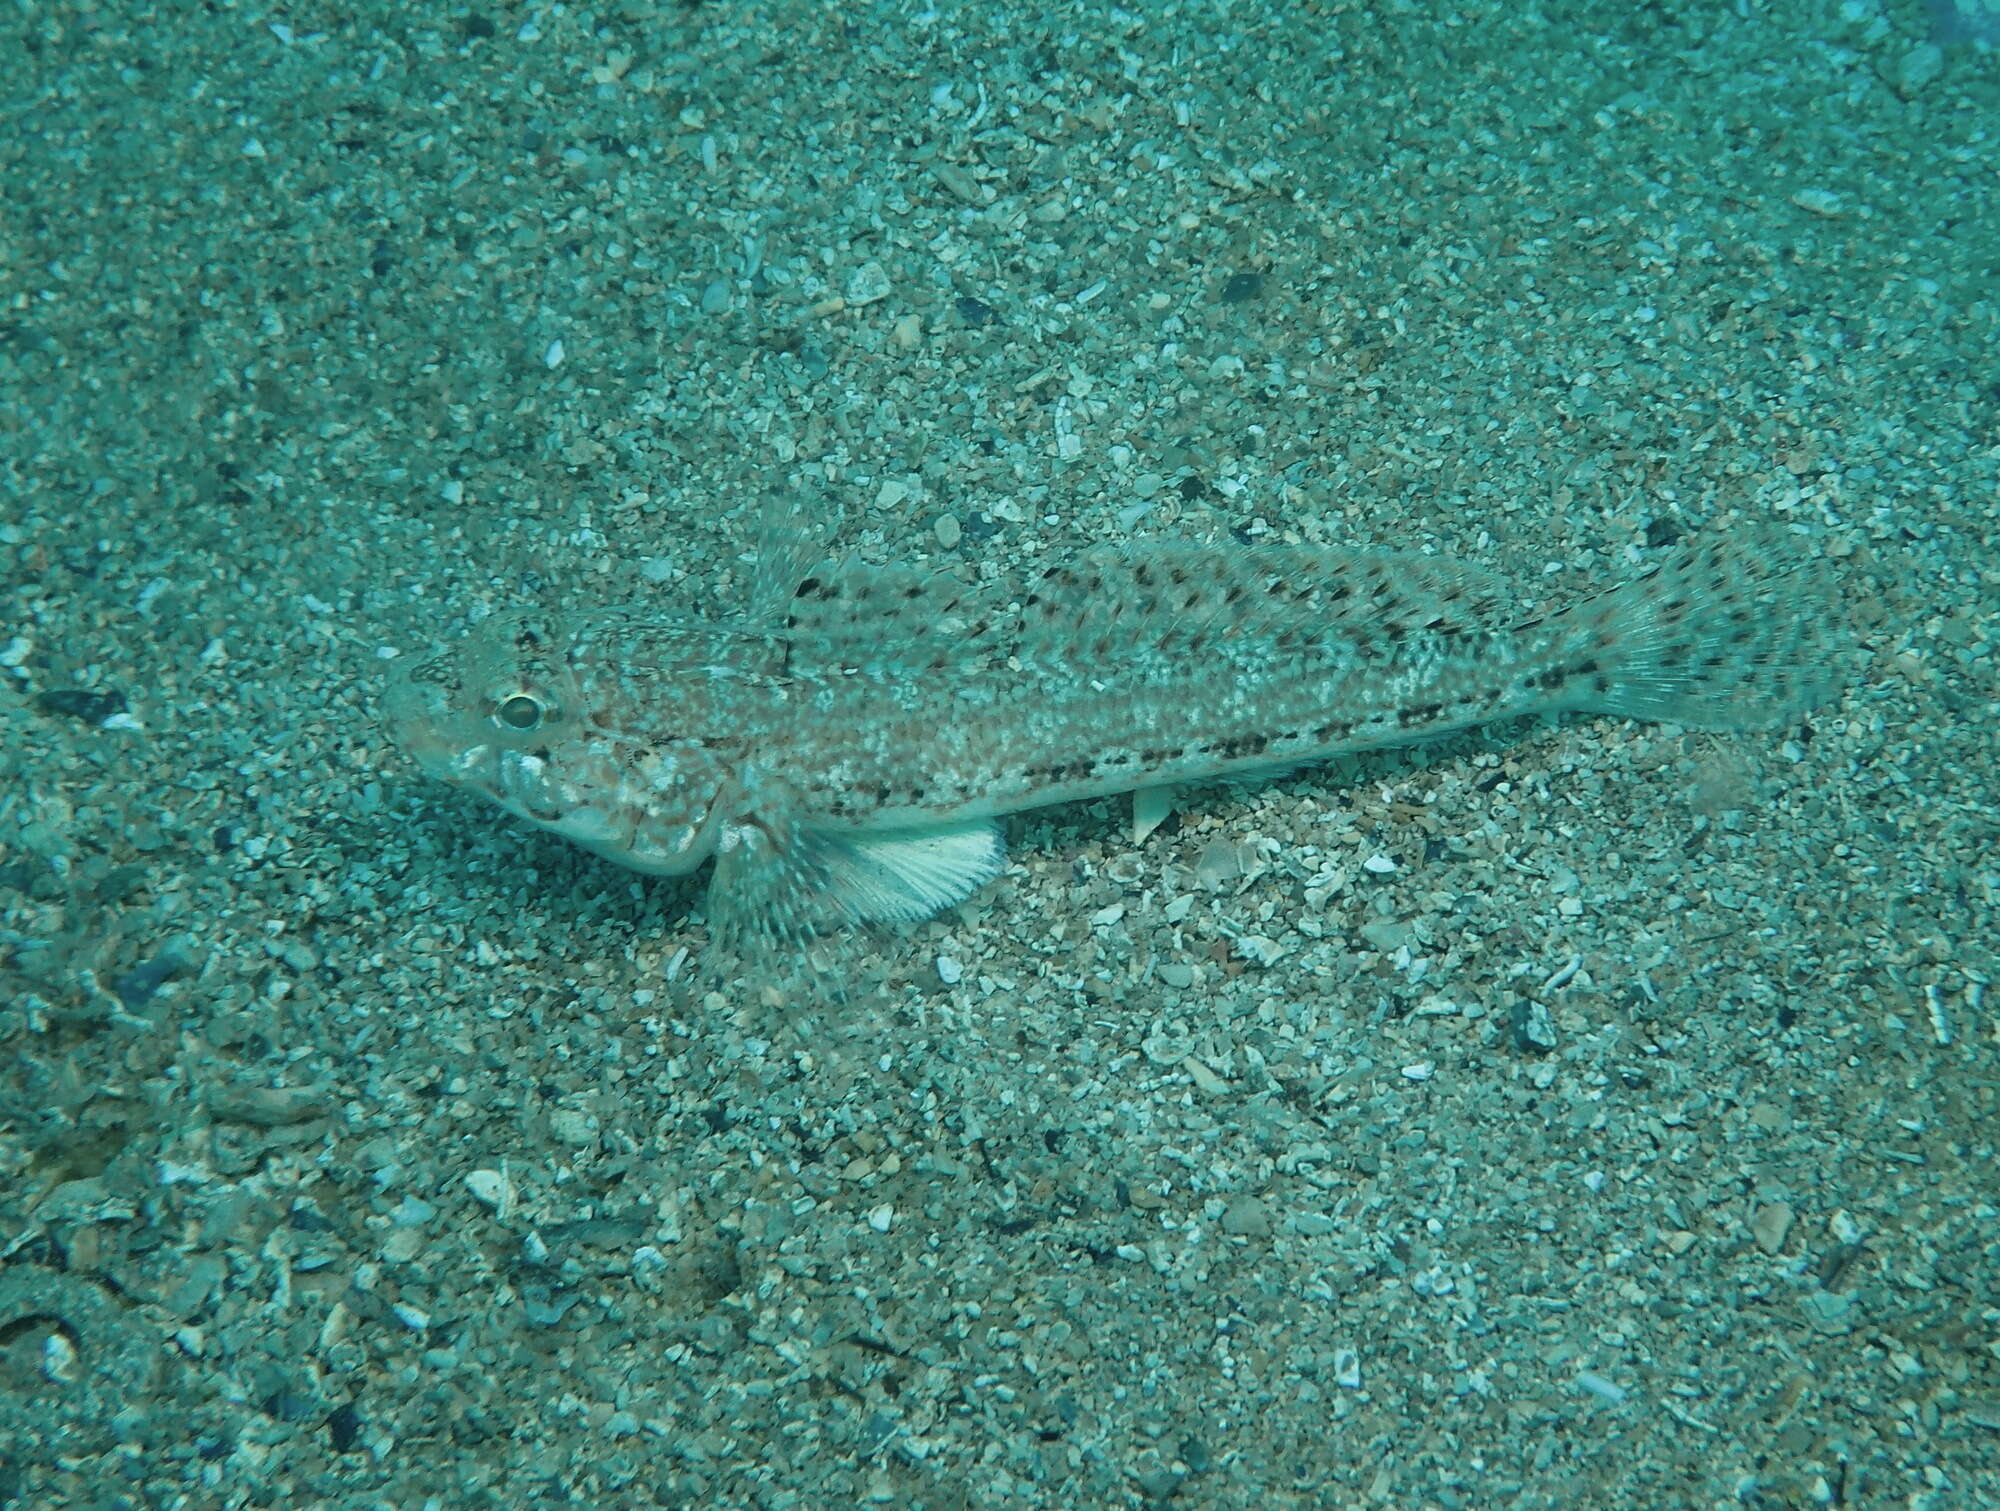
x: 793, y: 541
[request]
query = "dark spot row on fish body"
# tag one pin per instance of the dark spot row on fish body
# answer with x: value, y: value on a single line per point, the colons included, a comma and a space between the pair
x: 1333, y: 732
x: 1241, y: 747
x: 1056, y: 773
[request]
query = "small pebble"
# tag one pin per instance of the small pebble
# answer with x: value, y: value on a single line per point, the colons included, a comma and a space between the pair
x: 490, y: 1188
x: 1217, y: 864
x: 1770, y: 1224
x: 1387, y: 934
x: 1157, y: 1484
x: 1259, y: 950
x: 1204, y: 1078
x: 1603, y: 1389
x: 868, y: 284
x: 1828, y: 1311
x: 1246, y: 1217
x: 1918, y: 67
x: 1533, y: 1027
x: 412, y: 1212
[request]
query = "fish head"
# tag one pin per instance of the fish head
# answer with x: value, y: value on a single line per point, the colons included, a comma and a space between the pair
x: 511, y: 715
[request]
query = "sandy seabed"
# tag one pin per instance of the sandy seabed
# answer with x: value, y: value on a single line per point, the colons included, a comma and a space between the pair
x: 1588, y: 1115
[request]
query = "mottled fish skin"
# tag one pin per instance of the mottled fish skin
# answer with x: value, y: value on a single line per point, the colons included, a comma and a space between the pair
x: 842, y: 751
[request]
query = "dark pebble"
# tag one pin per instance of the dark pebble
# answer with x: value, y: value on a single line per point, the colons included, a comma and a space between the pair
x: 80, y: 703
x: 135, y: 987
x: 544, y: 1308
x: 1241, y: 288
x: 973, y: 311
x: 288, y: 1406
x: 1533, y: 1028
x: 343, y: 1428
x: 38, y: 881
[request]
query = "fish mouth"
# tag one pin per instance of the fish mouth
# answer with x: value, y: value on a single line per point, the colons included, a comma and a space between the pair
x: 602, y: 816
x: 622, y: 830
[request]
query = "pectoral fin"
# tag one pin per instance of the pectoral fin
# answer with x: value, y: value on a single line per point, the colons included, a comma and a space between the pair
x: 900, y: 876
x: 810, y: 880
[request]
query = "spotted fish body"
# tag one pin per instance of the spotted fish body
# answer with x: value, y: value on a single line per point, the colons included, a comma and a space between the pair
x: 842, y: 751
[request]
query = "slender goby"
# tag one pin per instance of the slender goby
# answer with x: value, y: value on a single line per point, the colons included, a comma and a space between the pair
x: 843, y: 749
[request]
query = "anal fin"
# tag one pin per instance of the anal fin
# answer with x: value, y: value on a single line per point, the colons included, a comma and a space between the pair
x: 1151, y: 807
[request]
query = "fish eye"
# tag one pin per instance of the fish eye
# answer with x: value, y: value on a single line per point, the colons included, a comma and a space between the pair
x: 521, y: 713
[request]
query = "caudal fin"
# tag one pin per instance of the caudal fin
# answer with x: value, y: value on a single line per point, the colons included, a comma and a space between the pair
x: 1734, y: 633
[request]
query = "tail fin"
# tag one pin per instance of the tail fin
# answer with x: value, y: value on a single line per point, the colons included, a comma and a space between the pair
x: 1730, y: 634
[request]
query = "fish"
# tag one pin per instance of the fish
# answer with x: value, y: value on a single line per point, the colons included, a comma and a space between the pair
x: 841, y: 750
